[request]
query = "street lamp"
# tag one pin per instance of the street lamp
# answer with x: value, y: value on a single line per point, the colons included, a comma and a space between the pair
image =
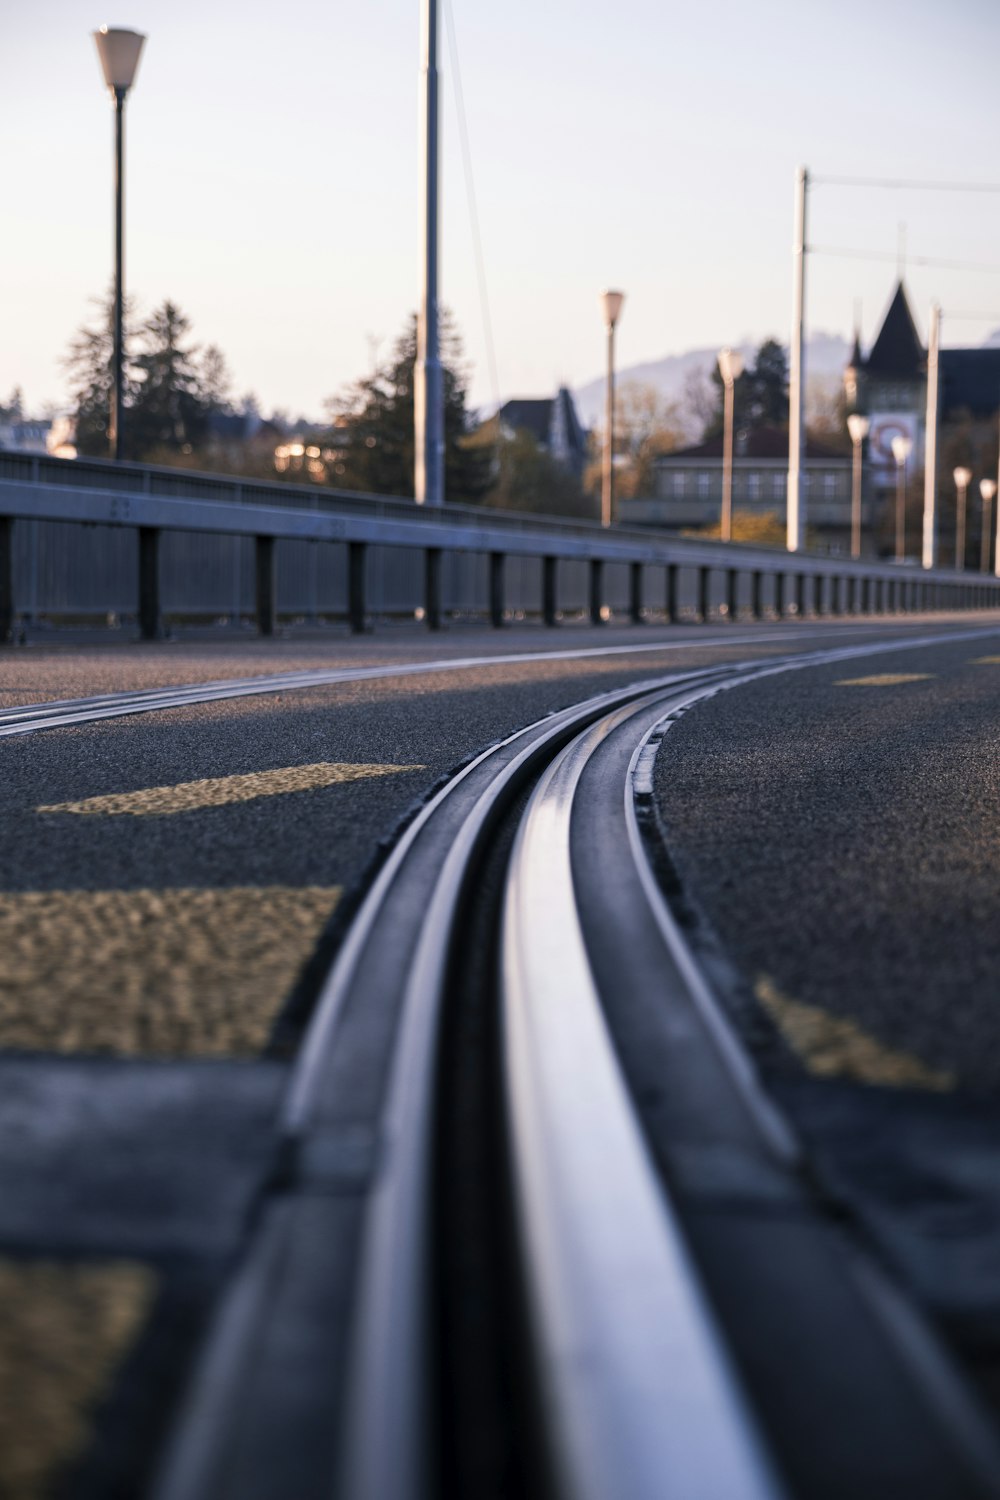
x: 902, y: 447
x: 962, y: 478
x: 857, y: 426
x: 119, y: 56
x: 730, y: 368
x: 611, y: 306
x: 987, y: 488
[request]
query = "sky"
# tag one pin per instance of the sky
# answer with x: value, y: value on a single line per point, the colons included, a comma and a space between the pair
x: 272, y: 178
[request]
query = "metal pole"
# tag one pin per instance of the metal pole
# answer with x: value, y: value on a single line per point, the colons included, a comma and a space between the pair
x: 960, y: 527
x: 797, y: 368
x: 929, y: 551
x: 996, y: 555
x: 900, y: 511
x: 608, y: 480
x: 856, y: 501
x: 428, y: 382
x: 118, y: 393
x: 726, y: 527
x: 984, y: 550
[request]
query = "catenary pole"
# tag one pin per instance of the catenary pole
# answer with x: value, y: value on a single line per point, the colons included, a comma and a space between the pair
x: 428, y: 384
x: 797, y: 369
x: 929, y: 552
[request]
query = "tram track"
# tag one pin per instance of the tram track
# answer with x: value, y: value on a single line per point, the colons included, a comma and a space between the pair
x: 515, y: 1047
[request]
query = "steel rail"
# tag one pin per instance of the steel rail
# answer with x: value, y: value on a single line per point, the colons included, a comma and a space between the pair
x: 64, y: 712
x: 385, y: 1446
x: 639, y: 1396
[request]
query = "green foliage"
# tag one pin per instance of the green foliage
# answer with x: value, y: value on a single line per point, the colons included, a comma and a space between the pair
x: 528, y: 479
x: 170, y: 394
x: 760, y: 395
x: 373, y: 426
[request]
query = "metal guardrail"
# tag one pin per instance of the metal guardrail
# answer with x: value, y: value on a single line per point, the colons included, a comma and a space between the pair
x: 156, y: 500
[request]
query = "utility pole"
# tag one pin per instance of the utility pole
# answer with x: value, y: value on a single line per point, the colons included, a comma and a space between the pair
x: 797, y: 368
x: 428, y: 382
x: 929, y: 551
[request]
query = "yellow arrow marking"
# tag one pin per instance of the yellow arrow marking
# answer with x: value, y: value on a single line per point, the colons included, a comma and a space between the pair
x: 64, y: 1332
x: 217, y: 791
x: 153, y: 973
x: 886, y: 679
x: 835, y: 1048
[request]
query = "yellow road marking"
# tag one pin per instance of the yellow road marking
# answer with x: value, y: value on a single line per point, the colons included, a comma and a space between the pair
x: 886, y: 679
x: 835, y: 1048
x: 64, y: 1330
x: 153, y: 973
x: 986, y: 661
x: 217, y: 791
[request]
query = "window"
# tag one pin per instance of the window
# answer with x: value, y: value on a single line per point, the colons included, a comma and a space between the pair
x: 778, y: 486
x: 679, y: 484
x: 753, y: 486
x: 829, y: 486
x: 703, y: 486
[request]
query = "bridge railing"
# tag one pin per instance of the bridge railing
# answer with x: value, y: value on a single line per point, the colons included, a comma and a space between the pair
x: 157, y: 501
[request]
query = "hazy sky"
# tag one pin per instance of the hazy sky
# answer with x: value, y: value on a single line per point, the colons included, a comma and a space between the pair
x: 272, y: 176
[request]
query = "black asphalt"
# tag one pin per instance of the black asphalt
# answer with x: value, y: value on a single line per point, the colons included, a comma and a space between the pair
x: 163, y: 1161
x: 842, y: 844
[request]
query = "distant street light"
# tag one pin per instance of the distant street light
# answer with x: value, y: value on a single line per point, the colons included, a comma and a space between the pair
x: 902, y: 447
x: 611, y: 306
x: 857, y: 426
x: 962, y: 478
x: 987, y: 488
x: 730, y: 368
x: 118, y: 52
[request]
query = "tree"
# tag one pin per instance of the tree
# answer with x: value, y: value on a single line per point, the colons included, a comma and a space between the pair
x: 89, y: 365
x: 646, y: 425
x: 760, y: 395
x: 12, y: 410
x: 373, y: 425
x: 530, y: 480
x: 169, y: 409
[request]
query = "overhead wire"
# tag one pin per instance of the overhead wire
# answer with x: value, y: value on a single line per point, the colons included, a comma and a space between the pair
x: 470, y: 192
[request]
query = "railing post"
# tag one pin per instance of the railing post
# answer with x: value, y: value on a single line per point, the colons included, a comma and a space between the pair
x: 732, y: 595
x: 150, y: 618
x: 357, y: 568
x: 596, y: 590
x: 780, y: 594
x: 800, y: 595
x: 496, y: 589
x: 6, y: 580
x: 818, y: 594
x: 704, y: 597
x: 432, y: 588
x: 673, y: 608
x: 635, y: 593
x: 550, y: 600
x: 757, y: 594
x: 265, y: 578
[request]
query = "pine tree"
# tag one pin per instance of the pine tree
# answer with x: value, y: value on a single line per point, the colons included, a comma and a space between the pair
x: 90, y: 367
x: 169, y: 410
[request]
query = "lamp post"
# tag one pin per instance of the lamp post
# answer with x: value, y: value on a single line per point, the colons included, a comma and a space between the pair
x: 730, y: 368
x: 987, y: 488
x: 611, y: 306
x: 962, y: 478
x: 119, y: 53
x: 857, y: 426
x: 428, y: 375
x: 902, y: 447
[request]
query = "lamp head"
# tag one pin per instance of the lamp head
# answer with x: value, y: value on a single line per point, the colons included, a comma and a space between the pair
x: 118, y: 52
x: 730, y: 365
x: 987, y: 488
x: 962, y: 478
x: 902, y: 447
x: 858, y: 426
x: 611, y: 306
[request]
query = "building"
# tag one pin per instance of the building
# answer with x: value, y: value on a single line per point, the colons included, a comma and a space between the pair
x: 688, y: 486
x: 890, y: 388
x: 553, y: 422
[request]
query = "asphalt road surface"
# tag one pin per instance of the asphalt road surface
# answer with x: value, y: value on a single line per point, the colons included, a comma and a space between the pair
x: 175, y: 884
